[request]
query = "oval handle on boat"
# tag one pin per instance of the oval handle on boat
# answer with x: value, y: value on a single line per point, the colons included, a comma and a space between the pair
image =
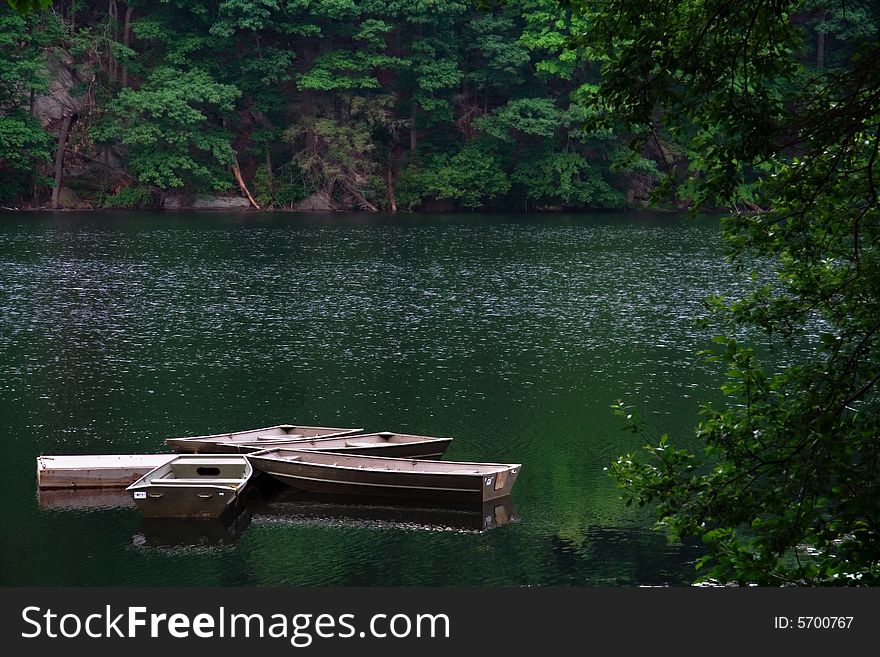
x: 156, y: 495
x: 205, y: 496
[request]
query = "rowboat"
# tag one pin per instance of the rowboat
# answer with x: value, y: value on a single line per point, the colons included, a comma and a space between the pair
x: 384, y: 443
x: 228, y: 442
x: 191, y: 486
x: 326, y: 472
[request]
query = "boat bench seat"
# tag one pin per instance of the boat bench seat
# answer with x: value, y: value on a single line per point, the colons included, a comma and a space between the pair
x: 361, y: 443
x: 197, y: 480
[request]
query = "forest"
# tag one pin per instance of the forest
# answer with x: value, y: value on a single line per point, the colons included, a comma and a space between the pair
x: 324, y: 104
x: 306, y: 104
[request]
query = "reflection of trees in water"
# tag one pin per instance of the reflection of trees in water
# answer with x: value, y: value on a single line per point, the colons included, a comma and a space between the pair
x: 624, y: 556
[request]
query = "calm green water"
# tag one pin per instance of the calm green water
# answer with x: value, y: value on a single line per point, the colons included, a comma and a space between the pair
x: 513, y: 334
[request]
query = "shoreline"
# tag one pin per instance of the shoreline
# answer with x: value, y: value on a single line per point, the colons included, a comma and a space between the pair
x: 254, y: 211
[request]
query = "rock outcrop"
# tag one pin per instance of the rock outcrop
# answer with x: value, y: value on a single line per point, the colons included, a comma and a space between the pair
x: 319, y: 201
x: 189, y: 202
x: 66, y: 79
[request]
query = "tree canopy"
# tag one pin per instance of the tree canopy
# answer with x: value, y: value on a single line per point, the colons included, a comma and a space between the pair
x: 783, y: 119
x: 28, y: 6
x: 360, y: 103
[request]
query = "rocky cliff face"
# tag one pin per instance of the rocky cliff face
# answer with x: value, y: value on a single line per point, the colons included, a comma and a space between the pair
x: 71, y: 90
x: 71, y: 93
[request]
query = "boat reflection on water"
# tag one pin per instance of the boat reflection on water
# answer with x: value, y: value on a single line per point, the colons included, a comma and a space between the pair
x: 83, y: 499
x: 262, y: 503
x: 200, y: 532
x: 190, y: 532
x: 312, y: 508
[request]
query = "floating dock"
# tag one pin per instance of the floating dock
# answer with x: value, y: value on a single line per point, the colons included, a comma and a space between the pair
x: 83, y: 499
x: 98, y: 471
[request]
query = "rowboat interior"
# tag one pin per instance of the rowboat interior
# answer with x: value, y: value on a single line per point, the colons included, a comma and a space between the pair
x: 280, y: 432
x: 378, y: 462
x: 385, y: 437
x: 365, y: 440
x: 231, y: 442
x: 216, y: 471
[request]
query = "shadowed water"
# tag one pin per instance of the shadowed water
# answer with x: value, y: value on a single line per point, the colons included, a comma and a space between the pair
x: 513, y: 334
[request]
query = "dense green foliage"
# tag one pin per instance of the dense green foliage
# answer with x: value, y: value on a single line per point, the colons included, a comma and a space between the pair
x: 24, y: 145
x: 168, y: 130
x: 369, y: 104
x: 28, y: 6
x: 783, y: 110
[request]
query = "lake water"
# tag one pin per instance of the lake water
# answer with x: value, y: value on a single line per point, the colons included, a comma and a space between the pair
x: 513, y: 334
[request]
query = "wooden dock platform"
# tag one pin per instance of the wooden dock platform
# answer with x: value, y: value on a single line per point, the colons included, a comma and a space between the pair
x: 96, y: 471
x: 83, y: 499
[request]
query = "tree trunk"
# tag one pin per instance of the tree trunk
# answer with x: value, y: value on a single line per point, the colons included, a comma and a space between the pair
x: 306, y: 113
x: 389, y: 190
x: 111, y: 21
x: 126, y: 39
x: 34, y: 173
x: 413, y: 136
x: 113, y: 37
x: 362, y: 201
x: 237, y: 171
x: 821, y: 40
x: 269, y: 170
x: 106, y: 163
x: 59, y: 158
